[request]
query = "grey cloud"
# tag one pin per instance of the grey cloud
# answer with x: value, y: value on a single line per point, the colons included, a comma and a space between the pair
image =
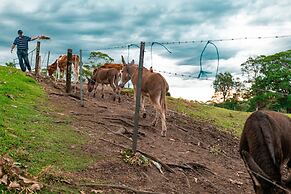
x: 123, y: 22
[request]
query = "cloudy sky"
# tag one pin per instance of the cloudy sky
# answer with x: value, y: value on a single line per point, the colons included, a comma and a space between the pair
x: 91, y: 24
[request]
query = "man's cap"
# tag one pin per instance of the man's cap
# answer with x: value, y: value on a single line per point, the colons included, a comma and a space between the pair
x: 19, y: 32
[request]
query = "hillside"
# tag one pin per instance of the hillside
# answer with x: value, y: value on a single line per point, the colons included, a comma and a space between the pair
x: 48, y: 132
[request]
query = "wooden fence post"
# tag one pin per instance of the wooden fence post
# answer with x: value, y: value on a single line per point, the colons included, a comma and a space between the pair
x: 48, y: 61
x: 31, y: 57
x: 69, y: 71
x: 138, y: 95
x: 37, y: 59
x: 81, y: 78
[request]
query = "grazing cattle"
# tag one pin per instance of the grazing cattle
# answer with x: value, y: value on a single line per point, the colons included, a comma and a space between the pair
x: 265, y: 147
x: 154, y: 85
x: 105, y: 76
x: 61, y: 63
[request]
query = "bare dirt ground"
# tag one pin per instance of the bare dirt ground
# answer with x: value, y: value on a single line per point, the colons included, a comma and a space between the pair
x: 213, y: 155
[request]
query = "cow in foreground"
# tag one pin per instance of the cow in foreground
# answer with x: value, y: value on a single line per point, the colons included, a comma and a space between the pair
x: 154, y: 86
x: 104, y: 76
x: 265, y: 147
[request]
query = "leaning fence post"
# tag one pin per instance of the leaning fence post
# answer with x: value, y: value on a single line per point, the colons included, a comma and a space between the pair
x: 69, y: 71
x: 48, y: 61
x: 138, y: 95
x: 81, y: 78
x: 37, y: 59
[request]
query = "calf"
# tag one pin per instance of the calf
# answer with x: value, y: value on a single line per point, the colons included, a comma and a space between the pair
x: 105, y: 76
x: 265, y: 147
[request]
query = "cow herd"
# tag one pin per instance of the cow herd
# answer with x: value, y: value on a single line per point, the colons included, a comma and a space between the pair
x: 265, y: 144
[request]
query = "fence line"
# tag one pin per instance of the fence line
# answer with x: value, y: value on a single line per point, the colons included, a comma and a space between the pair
x: 191, y: 42
x: 179, y: 74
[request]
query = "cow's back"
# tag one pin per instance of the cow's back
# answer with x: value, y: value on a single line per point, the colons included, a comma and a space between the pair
x: 154, y: 81
x: 104, y: 75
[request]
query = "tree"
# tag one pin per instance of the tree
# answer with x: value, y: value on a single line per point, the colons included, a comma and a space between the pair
x: 271, y: 86
x: 96, y: 59
x: 99, y: 57
x: 224, y: 82
x: 252, y: 67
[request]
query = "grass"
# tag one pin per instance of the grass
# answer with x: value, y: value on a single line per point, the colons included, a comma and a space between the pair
x: 226, y: 120
x: 28, y: 132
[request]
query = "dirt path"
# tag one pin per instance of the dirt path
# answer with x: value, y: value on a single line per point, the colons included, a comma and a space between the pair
x: 187, y: 141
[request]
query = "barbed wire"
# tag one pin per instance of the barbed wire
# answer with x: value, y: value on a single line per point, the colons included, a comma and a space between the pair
x: 224, y: 39
x: 148, y: 43
x: 179, y: 74
x: 152, y: 44
x: 202, y: 72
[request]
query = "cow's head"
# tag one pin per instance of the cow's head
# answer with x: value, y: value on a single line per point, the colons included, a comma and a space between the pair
x: 125, y: 72
x: 90, y: 84
x: 52, y: 68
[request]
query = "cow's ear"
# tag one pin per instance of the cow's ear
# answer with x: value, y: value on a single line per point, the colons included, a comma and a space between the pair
x: 132, y: 62
x: 123, y: 61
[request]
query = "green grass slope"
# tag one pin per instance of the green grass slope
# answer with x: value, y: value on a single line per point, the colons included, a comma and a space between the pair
x: 226, y: 120
x: 28, y: 132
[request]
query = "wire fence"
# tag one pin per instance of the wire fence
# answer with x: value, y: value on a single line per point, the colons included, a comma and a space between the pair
x: 45, y: 59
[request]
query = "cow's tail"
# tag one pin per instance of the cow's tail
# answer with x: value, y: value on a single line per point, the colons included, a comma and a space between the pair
x: 269, y: 129
x: 264, y: 129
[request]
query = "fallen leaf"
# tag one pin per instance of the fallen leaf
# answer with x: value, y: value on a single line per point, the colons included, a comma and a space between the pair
x: 26, y: 180
x: 10, y: 96
x: 158, y: 165
x: 14, y: 185
x: 36, y: 187
x: 4, y: 179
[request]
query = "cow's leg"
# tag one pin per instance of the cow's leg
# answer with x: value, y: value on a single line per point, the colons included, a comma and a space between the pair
x: 117, y: 90
x: 163, y: 119
x: 114, y: 90
x: 76, y: 75
x: 154, y: 101
x: 144, y: 115
x: 154, y: 122
x: 134, y: 93
x: 159, y: 110
x: 102, y: 91
x: 118, y: 94
x: 95, y: 89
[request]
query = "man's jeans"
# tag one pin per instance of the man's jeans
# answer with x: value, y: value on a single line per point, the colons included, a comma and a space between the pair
x: 23, y: 56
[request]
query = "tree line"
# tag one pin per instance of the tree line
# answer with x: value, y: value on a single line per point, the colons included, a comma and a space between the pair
x: 265, y: 84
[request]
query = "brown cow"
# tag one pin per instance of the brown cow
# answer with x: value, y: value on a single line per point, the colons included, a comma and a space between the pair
x: 265, y: 147
x: 105, y: 76
x: 154, y: 85
x: 61, y: 63
x: 112, y: 65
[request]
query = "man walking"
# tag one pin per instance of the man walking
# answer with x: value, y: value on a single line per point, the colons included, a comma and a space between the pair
x: 22, y: 49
